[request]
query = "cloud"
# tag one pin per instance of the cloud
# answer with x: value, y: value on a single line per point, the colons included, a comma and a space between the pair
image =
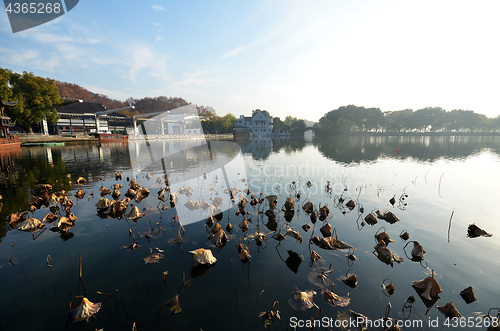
x: 156, y: 7
x: 156, y: 24
x: 117, y: 95
x: 233, y: 52
x: 158, y: 38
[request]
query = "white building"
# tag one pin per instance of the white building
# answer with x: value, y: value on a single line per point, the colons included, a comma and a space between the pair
x: 259, y: 125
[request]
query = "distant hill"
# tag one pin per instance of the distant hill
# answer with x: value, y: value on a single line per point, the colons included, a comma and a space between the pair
x: 74, y: 91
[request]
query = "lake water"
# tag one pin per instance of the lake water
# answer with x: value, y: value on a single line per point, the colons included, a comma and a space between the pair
x: 437, y: 176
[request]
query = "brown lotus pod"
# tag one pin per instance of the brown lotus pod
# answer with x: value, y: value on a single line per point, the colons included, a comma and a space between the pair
x: 392, y: 201
x: 289, y: 204
x: 371, y: 219
x: 161, y: 195
x: 116, y: 194
x: 244, y: 256
x: 216, y: 228
x: 306, y: 227
x: 219, y: 237
x: 144, y: 191
x: 390, y: 289
x: 468, y: 295
x: 404, y: 235
x: 351, y: 280
x: 174, y: 198
x: 314, y: 217
x: 134, y: 185
x: 308, y: 207
x: 449, y: 310
x: 210, y: 221
x: 118, y: 175
x: 324, y: 212
x: 350, y: 204
x: 244, y: 226
x: 104, y: 190
x: 131, y: 193
x: 326, y: 230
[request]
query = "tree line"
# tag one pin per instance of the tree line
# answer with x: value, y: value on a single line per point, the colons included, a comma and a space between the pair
x: 352, y: 118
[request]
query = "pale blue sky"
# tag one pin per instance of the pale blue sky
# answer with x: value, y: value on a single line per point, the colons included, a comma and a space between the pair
x: 289, y: 57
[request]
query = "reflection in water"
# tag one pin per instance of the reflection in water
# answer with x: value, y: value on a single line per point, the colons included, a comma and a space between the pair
x: 356, y: 149
x: 366, y: 167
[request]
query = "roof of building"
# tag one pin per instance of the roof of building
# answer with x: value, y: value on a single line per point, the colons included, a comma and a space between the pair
x: 85, y: 107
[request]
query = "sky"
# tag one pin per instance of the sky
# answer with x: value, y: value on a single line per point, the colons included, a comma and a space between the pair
x: 288, y: 57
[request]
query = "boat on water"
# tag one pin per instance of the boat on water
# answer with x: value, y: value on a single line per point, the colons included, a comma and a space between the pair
x: 50, y: 144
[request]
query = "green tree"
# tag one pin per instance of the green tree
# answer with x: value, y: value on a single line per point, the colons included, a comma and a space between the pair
x: 5, y: 90
x: 263, y: 111
x: 38, y: 98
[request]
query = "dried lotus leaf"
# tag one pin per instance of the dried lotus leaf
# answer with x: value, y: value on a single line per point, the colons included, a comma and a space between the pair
x: 326, y: 230
x: 449, y: 310
x: 294, y: 234
x: 371, y: 219
x: 330, y: 243
x: 428, y: 287
x: 335, y: 299
x: 80, y: 194
x: 468, y: 295
x: 219, y: 238
x: 161, y: 195
x: 81, y: 181
x: 31, y: 224
x: 473, y: 231
x: 289, y: 204
x: 135, y: 214
x: 84, y: 310
x: 138, y: 197
x: 385, y: 237
x: 315, y: 256
x: 203, y: 256
x: 417, y: 252
x: 49, y: 218
x: 302, y: 300
x: 388, y: 216
x: 130, y: 193
x: 15, y: 218
x: 144, y: 191
x: 104, y: 190
x: 103, y: 204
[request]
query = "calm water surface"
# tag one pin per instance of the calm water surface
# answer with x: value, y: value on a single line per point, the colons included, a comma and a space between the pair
x: 437, y: 175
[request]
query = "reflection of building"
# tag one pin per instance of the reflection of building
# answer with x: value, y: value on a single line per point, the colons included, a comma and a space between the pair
x: 260, y: 148
x: 259, y: 125
x: 180, y: 121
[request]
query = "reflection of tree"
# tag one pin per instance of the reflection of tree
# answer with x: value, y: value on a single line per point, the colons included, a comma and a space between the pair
x: 356, y: 149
